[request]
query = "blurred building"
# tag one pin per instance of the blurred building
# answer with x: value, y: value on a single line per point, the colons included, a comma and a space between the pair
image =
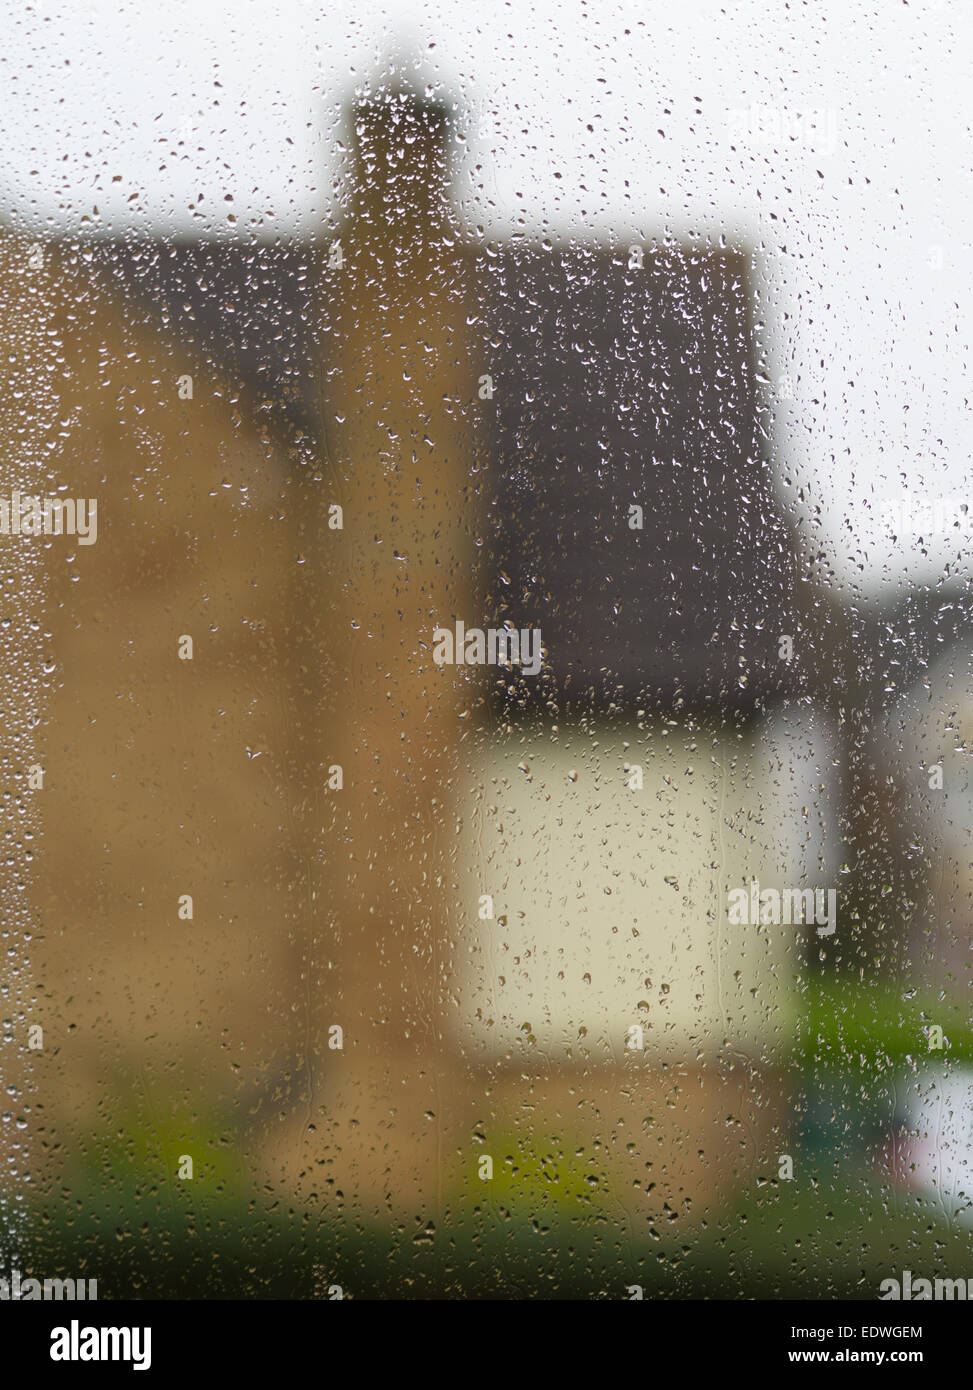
x: 388, y: 431
x: 161, y: 945
x: 922, y: 752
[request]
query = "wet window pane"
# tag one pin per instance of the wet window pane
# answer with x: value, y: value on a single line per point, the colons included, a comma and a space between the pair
x: 485, y: 527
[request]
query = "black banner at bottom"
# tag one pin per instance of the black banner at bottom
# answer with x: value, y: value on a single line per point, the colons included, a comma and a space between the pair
x: 174, y: 1339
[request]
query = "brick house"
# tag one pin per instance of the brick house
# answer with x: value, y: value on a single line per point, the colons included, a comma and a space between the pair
x: 389, y: 430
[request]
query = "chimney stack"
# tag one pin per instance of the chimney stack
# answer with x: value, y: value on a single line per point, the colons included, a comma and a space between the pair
x: 402, y: 163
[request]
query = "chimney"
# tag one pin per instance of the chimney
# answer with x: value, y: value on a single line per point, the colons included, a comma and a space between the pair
x: 402, y: 164
x: 398, y: 390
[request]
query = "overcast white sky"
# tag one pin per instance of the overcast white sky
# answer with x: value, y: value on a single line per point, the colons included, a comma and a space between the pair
x: 586, y: 119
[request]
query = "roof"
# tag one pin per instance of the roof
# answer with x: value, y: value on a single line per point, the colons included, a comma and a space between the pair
x: 247, y: 309
x: 615, y: 387
x: 619, y: 387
